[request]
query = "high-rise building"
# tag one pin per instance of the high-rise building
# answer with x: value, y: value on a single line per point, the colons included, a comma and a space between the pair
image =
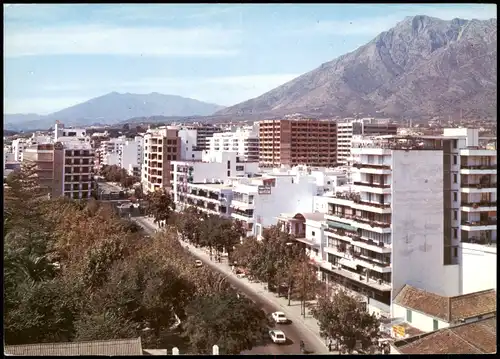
x: 362, y: 127
x: 63, y: 168
x: 244, y: 142
x: 203, y: 134
x: 297, y: 142
x: 161, y: 146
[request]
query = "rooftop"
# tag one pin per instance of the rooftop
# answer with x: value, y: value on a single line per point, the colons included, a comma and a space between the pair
x: 470, y: 338
x: 449, y: 309
x: 98, y: 347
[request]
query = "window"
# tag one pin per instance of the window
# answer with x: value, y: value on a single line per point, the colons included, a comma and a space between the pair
x: 313, y: 233
x: 455, y: 178
x: 435, y: 324
x: 454, y: 160
x: 455, y: 233
x: 455, y: 215
x: 229, y: 173
x: 455, y: 252
x: 455, y: 196
x: 455, y: 143
x: 240, y: 168
x: 408, y: 315
x: 228, y: 165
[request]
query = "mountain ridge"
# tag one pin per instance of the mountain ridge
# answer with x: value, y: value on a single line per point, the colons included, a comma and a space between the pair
x: 112, y: 108
x: 408, y: 70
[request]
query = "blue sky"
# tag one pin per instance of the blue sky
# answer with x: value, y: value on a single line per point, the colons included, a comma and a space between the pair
x: 60, y: 55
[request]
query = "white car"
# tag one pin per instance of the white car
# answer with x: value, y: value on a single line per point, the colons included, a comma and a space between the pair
x: 279, y: 317
x: 277, y: 336
x: 198, y: 263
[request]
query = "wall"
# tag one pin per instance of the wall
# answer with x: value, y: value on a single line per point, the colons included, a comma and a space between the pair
x: 419, y: 320
x: 320, y: 204
x: 188, y: 141
x: 418, y: 224
x: 478, y: 268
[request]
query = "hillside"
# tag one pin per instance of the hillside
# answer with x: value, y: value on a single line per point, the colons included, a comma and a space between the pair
x: 113, y: 108
x: 422, y: 66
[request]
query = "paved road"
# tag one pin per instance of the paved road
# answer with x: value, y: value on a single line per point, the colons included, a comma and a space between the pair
x: 293, y: 332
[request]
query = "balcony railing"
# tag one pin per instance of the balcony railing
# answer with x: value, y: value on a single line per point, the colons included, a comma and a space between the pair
x: 479, y: 167
x: 350, y: 196
x: 371, y: 165
x: 371, y: 184
x: 479, y: 185
x: 371, y: 222
x: 489, y: 222
x: 479, y: 204
x: 478, y: 240
x: 358, y: 238
x: 401, y: 143
x: 374, y: 204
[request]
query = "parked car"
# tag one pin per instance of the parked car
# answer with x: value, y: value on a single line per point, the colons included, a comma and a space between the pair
x: 198, y: 263
x: 279, y: 317
x: 277, y: 336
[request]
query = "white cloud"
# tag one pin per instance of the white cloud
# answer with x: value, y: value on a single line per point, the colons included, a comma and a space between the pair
x: 375, y: 25
x: 40, y: 105
x: 138, y: 41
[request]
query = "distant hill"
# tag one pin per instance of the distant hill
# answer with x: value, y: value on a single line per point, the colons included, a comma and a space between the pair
x: 113, y: 108
x: 422, y: 66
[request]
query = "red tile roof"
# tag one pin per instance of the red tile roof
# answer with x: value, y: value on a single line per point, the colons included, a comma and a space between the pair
x: 449, y: 309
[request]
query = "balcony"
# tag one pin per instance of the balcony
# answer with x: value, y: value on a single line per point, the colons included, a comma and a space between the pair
x: 480, y: 206
x: 362, y: 279
x: 478, y: 187
x: 369, y: 244
x: 373, y: 187
x: 484, y: 225
x: 478, y: 169
x: 372, y: 168
x: 245, y: 217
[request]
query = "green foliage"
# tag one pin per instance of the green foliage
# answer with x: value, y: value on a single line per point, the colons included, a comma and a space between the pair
x: 233, y: 324
x: 161, y: 206
x: 342, y: 318
x: 119, y: 175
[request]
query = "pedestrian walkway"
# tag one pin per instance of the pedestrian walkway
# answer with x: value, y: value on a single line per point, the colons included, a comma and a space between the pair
x: 260, y: 288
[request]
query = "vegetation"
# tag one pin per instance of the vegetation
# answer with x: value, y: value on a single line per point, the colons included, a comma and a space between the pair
x: 161, y: 206
x: 75, y: 271
x: 342, y: 318
x: 119, y: 175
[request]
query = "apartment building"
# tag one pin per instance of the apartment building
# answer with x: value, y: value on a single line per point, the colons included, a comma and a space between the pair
x: 203, y: 134
x: 297, y: 141
x: 64, y: 169
x: 123, y: 152
x: 362, y: 127
x: 61, y: 132
x: 244, y: 142
x: 260, y: 201
x: 18, y: 146
x: 161, y: 146
x: 201, y: 183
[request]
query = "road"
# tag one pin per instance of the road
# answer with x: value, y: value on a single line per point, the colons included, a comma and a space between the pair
x: 293, y: 332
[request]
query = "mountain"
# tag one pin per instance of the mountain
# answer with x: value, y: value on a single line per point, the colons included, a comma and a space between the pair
x: 115, y: 107
x: 423, y: 66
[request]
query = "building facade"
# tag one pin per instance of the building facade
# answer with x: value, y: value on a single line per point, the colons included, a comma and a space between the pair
x: 297, y: 142
x: 244, y: 142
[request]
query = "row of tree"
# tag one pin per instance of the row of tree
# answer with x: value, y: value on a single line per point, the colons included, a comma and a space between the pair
x: 283, y: 263
x: 75, y: 271
x: 119, y: 175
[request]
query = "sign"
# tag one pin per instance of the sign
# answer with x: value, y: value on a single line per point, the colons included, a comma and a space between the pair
x: 398, y: 330
x: 264, y: 189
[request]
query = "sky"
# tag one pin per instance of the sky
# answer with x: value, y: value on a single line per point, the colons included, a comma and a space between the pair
x: 56, y: 56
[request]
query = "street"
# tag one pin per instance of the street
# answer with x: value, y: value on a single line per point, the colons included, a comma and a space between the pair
x: 294, y: 332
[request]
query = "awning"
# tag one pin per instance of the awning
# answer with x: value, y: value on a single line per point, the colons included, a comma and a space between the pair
x: 334, y: 224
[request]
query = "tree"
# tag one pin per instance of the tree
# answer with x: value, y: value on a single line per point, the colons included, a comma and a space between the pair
x: 305, y: 281
x: 161, y: 206
x: 233, y: 324
x: 342, y: 318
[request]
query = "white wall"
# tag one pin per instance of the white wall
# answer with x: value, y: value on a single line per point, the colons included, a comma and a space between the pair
x: 478, y: 267
x: 419, y: 320
x: 188, y: 139
x: 418, y: 225
x: 320, y: 204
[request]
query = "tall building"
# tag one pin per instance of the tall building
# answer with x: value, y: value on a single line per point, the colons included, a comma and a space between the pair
x: 203, y: 134
x: 297, y: 142
x: 363, y: 127
x: 63, y: 168
x: 161, y: 146
x: 244, y: 142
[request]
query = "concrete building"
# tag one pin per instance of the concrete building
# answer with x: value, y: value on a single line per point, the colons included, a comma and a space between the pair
x: 61, y: 132
x: 63, y: 168
x: 259, y: 202
x: 161, y: 146
x: 297, y: 141
x: 190, y: 150
x: 245, y: 142
x: 203, y: 134
x: 18, y: 146
x: 200, y: 183
x: 363, y: 127
x: 478, y: 267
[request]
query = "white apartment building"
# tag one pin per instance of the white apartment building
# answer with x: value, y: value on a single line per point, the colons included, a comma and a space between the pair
x: 18, y: 147
x: 259, y: 202
x: 189, y: 149
x: 61, y: 133
x: 201, y: 182
x: 244, y: 142
x: 362, y: 127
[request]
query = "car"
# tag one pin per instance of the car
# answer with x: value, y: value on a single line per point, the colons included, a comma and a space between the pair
x: 198, y: 263
x: 279, y: 317
x: 277, y: 336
